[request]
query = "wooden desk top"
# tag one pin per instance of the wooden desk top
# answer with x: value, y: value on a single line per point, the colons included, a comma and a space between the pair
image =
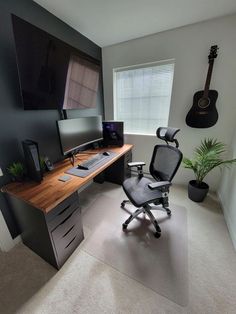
x: 50, y: 192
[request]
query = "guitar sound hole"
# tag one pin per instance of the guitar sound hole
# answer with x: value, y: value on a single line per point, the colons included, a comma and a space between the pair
x: 204, y: 103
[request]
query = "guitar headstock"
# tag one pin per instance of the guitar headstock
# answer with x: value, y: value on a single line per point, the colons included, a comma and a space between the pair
x: 213, y: 52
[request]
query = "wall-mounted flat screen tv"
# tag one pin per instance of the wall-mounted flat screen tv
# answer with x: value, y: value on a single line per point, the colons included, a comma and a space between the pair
x: 53, y: 74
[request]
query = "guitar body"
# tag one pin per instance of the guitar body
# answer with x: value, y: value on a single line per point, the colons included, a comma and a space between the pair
x: 203, y: 113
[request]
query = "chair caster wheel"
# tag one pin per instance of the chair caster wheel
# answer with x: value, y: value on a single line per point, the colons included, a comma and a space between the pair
x: 124, y: 226
x: 157, y: 235
x: 169, y: 214
x: 157, y: 227
x: 122, y: 205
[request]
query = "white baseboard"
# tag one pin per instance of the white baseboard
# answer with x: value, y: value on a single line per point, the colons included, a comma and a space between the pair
x: 6, y: 241
x: 7, y: 246
x: 231, y: 228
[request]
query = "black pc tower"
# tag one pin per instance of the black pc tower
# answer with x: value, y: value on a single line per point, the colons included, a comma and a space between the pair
x: 32, y: 160
x: 113, y: 133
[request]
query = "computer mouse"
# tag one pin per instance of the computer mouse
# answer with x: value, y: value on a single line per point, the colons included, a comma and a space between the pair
x: 106, y: 153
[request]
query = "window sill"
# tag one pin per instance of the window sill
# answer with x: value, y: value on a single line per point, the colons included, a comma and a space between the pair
x: 142, y: 134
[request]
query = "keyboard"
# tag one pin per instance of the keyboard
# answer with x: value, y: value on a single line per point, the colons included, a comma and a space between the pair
x: 91, y: 162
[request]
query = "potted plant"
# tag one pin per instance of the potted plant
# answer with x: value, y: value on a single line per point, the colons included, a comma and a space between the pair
x: 208, y: 155
x: 17, y: 171
x: 42, y: 164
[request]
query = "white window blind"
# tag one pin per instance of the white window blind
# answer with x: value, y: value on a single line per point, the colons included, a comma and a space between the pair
x: 142, y: 96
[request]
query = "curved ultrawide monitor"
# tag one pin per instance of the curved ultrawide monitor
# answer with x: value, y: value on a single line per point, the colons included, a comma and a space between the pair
x: 76, y: 133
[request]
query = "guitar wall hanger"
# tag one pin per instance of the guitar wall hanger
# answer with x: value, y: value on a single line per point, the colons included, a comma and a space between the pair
x: 203, y: 113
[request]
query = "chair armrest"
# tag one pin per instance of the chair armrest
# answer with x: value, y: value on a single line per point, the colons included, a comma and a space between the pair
x: 139, y: 165
x: 136, y: 164
x: 162, y: 185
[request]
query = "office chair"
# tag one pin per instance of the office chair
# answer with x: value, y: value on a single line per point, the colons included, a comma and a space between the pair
x: 142, y: 191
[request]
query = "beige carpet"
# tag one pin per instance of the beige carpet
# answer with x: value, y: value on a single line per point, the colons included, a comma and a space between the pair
x: 22, y: 275
x: 86, y: 285
x: 160, y: 264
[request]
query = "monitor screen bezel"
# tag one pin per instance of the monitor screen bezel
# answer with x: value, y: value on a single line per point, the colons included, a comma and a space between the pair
x: 75, y: 149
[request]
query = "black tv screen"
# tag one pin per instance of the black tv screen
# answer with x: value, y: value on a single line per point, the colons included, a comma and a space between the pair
x: 76, y: 133
x: 53, y: 74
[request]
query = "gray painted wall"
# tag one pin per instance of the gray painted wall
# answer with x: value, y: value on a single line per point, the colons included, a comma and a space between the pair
x: 227, y: 193
x: 15, y: 123
x: 189, y: 47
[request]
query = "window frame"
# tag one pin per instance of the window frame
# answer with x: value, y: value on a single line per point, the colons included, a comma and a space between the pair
x: 140, y: 66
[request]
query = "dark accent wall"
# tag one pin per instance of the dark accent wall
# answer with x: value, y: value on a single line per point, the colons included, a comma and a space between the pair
x: 15, y: 123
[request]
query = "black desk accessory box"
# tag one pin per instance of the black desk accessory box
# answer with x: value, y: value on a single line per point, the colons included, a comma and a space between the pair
x: 48, y: 164
x: 113, y: 133
x: 32, y: 160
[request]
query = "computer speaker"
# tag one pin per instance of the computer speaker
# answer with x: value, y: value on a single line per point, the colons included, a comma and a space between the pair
x: 32, y: 160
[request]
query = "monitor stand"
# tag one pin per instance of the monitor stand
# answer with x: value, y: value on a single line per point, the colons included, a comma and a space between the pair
x: 72, y: 158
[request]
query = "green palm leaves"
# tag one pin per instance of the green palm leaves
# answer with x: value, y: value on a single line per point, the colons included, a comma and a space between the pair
x: 207, y: 157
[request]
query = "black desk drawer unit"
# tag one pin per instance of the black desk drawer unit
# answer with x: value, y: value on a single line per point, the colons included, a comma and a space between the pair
x: 62, y: 211
x: 65, y: 224
x: 119, y: 171
x: 65, y: 244
x: 53, y: 236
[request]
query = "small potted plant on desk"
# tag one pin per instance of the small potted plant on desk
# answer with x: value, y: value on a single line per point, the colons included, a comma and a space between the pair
x: 17, y: 171
x: 207, y: 157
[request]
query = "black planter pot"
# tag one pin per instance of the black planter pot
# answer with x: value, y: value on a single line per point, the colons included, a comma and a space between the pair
x: 17, y: 178
x: 196, y: 193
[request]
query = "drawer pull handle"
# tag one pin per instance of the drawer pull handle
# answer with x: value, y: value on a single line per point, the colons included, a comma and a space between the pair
x: 63, y: 210
x: 70, y: 242
x: 67, y: 218
x: 68, y: 231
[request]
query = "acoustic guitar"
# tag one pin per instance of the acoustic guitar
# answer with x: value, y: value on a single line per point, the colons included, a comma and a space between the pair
x: 203, y: 113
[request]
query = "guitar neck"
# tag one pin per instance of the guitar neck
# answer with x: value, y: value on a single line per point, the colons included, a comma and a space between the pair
x: 208, y: 79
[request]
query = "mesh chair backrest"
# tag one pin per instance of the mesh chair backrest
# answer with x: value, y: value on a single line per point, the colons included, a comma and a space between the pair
x: 165, y: 162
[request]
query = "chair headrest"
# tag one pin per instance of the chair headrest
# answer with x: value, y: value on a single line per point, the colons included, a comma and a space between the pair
x: 168, y: 134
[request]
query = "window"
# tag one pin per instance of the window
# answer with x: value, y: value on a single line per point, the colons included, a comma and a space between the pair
x: 142, y: 96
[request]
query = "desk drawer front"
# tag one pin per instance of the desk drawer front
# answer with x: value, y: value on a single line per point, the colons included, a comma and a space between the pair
x: 128, y: 157
x: 62, y: 211
x: 119, y: 170
x: 68, y: 240
x: 65, y: 240
x: 66, y: 224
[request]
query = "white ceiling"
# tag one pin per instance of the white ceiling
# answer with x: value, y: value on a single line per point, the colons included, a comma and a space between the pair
x: 108, y: 22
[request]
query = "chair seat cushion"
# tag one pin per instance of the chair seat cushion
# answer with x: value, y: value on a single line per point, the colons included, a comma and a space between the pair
x: 138, y: 191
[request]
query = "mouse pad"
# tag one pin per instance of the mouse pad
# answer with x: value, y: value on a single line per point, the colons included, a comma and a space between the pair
x: 84, y: 173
